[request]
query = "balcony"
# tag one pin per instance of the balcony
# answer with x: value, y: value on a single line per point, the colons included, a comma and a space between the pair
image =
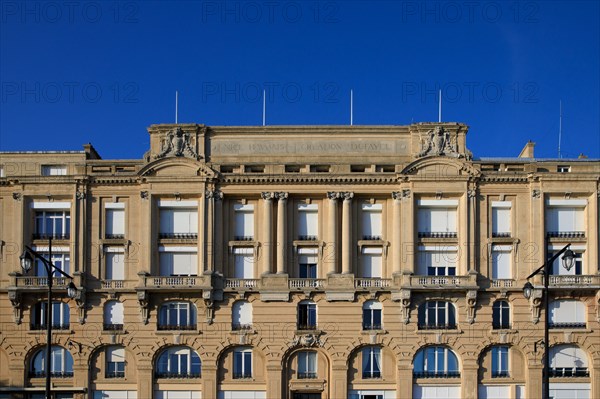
x: 448, y: 282
x: 114, y: 236
x: 40, y: 282
x: 588, y: 281
x: 174, y: 375
x: 241, y: 284
x: 372, y: 283
x: 501, y: 374
x: 243, y: 238
x: 569, y: 372
x: 306, y: 327
x: 307, y: 238
x: 437, y: 234
x: 565, y: 234
x: 54, y: 236
x: 176, y: 327
x: 371, y: 238
x: 501, y: 325
x: 502, y: 283
x: 180, y: 282
x: 497, y: 234
x: 301, y: 284
x: 436, y: 374
x: 112, y: 284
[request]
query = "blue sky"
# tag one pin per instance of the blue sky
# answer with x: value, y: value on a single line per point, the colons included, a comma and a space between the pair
x: 102, y: 71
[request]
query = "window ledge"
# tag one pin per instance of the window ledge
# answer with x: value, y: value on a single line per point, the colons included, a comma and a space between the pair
x: 456, y: 331
x: 177, y: 332
x: 376, y: 332
x: 43, y: 331
x: 244, y: 243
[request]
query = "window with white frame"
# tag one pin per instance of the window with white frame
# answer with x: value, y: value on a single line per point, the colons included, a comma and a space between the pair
x: 308, y: 221
x: 568, y: 361
x: 567, y: 313
x: 437, y: 218
x: 372, y: 262
x: 307, y: 315
x: 178, y: 219
x: 372, y: 315
x: 114, y: 261
x: 60, y: 316
x: 307, y: 262
x: 52, y: 220
x: 501, y: 262
x: 565, y: 218
x: 437, y: 260
x: 60, y: 258
x: 241, y: 315
x: 115, y: 362
x: 371, y: 221
x: 501, y: 219
x: 500, y: 364
x: 500, y: 315
x: 113, y: 315
x: 114, y: 224
x: 436, y: 362
x: 178, y: 261
x: 437, y: 315
x: 307, y: 364
x: 557, y: 265
x: 243, y: 262
x: 61, y: 363
x: 371, y: 362
x: 242, y: 363
x: 243, y: 222
x: 177, y: 316
x: 178, y: 362
x: 54, y: 170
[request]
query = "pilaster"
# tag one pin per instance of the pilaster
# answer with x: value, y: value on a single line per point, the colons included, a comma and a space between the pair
x: 281, y: 230
x: 267, y: 232
x: 330, y: 259
x: 347, y: 233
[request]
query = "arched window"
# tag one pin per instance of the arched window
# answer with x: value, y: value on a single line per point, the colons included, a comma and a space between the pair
x: 177, y: 316
x: 307, y: 364
x: 501, y: 315
x: 178, y: 362
x: 371, y: 362
x: 568, y: 361
x: 61, y: 363
x: 566, y: 313
x: 436, y: 362
x: 241, y: 316
x: 307, y: 315
x: 436, y: 315
x: 115, y: 361
x: 60, y: 316
x: 113, y: 315
x: 372, y: 315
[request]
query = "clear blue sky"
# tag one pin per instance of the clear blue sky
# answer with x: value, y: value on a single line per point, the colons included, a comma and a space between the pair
x: 102, y: 71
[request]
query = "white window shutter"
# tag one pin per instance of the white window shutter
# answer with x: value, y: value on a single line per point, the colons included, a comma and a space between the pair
x: 115, y: 266
x: 501, y: 265
x: 115, y: 221
x: 166, y: 221
x: 113, y: 312
x: 500, y: 220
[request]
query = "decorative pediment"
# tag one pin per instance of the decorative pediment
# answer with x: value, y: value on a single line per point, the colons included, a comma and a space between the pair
x: 178, y: 167
x: 440, y: 167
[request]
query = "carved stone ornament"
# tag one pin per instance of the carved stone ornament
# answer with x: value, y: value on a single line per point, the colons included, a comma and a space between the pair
x: 347, y: 196
x: 536, y: 193
x: 333, y: 195
x: 405, y: 302
x: 144, y: 306
x: 281, y: 195
x: 17, y: 196
x: 144, y: 195
x: 535, y: 305
x: 437, y: 142
x: 15, y: 300
x: 176, y: 143
x: 80, y: 195
x: 598, y: 306
x: 307, y: 340
x: 214, y: 194
x: 267, y: 195
x: 472, y: 193
x: 471, y: 303
x: 81, y: 305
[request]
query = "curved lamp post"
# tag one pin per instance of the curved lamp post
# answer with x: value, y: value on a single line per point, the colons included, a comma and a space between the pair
x: 27, y: 258
x: 568, y: 260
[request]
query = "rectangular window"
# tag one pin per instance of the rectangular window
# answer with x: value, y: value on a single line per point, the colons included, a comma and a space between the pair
x: 307, y: 262
x: 371, y: 221
x: 243, y: 259
x: 115, y: 362
x: 115, y: 264
x: 372, y: 263
x: 114, y: 226
x: 307, y: 364
x: 244, y: 222
x: 565, y: 218
x: 563, y: 168
x: 242, y: 363
x: 307, y: 316
x: 437, y: 218
x: 501, y: 262
x: 557, y: 266
x: 178, y: 219
x: 61, y: 259
x: 501, y: 221
x: 178, y: 261
x: 308, y: 221
x: 437, y: 260
x: 54, y: 170
x: 500, y: 361
x: 60, y: 316
x: 371, y: 362
x: 54, y: 224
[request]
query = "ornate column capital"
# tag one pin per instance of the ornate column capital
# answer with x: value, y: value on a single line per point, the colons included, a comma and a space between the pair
x: 214, y: 194
x: 333, y: 195
x: 347, y: 196
x: 267, y: 195
x: 281, y: 196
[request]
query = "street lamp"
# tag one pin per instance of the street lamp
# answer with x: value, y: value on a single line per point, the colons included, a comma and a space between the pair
x: 26, y: 259
x: 568, y: 260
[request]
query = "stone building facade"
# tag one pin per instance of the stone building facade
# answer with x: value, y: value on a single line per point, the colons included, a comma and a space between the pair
x: 299, y: 262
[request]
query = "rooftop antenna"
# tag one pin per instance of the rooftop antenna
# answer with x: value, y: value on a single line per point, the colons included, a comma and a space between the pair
x: 176, y: 105
x: 351, y: 107
x: 264, y: 108
x: 440, y: 107
x: 559, y: 126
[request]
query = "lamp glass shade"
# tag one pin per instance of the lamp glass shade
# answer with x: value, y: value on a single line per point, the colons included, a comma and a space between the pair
x: 568, y: 259
x: 527, y: 290
x: 71, y: 290
x: 26, y: 261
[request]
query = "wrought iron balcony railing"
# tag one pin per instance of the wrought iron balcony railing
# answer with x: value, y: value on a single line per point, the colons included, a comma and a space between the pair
x: 110, y: 236
x: 307, y: 238
x: 243, y: 238
x: 182, y: 236
x: 569, y: 372
x: 112, y: 327
x: 437, y: 234
x: 309, y: 326
x: 573, y: 324
x: 436, y: 326
x: 54, y: 236
x: 175, y: 327
x: 175, y: 375
x: 307, y: 375
x: 55, y: 326
x: 566, y: 234
x: 53, y: 374
x: 366, y: 375
x: 115, y: 374
x: 436, y: 374
x: 244, y: 375
x: 371, y: 327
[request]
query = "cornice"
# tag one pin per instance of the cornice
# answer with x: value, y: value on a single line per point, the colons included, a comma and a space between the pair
x: 307, y: 179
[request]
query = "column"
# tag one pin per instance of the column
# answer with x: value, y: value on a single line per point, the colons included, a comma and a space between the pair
x: 404, y: 374
x: 347, y: 233
x: 209, y: 380
x: 218, y: 233
x: 267, y: 229
x: 274, y: 383
x: 396, y: 243
x: 144, y: 380
x: 208, y: 235
x: 469, y: 379
x: 281, y: 230
x: 202, y: 230
x: 339, y: 380
x: 330, y: 259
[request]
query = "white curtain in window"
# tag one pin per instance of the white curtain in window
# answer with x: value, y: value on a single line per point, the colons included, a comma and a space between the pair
x: 115, y: 220
x: 567, y: 356
x: 501, y: 262
x: 501, y: 217
x: 308, y: 220
x: 113, y: 312
x: 567, y: 311
x: 243, y: 262
x: 178, y: 261
x: 115, y: 266
x: 116, y: 354
x: 565, y: 215
x: 244, y: 220
x: 436, y: 256
x: 179, y: 220
x: 371, y: 220
x: 437, y: 219
x: 372, y: 262
x: 242, y: 313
